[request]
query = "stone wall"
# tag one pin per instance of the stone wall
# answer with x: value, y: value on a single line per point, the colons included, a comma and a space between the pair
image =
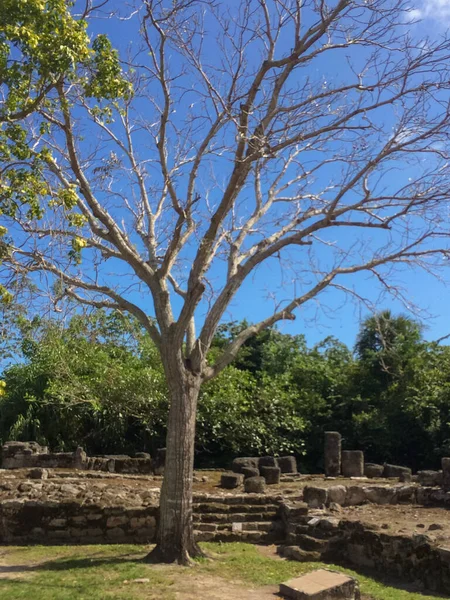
x: 353, y: 495
x: 28, y: 455
x: 74, y: 523
x: 408, y: 558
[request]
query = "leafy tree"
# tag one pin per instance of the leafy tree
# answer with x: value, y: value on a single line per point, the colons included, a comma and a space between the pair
x: 162, y: 198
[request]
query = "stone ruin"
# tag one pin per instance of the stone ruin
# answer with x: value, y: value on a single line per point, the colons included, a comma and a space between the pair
x: 29, y: 455
x: 254, y: 473
x: 319, y: 521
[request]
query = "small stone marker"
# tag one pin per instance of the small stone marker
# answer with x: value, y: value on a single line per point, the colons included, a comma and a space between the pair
x: 321, y: 585
x: 333, y: 442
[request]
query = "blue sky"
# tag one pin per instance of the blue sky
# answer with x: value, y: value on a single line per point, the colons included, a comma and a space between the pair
x: 334, y: 313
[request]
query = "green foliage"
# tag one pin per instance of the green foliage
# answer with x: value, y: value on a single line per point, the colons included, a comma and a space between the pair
x: 44, y: 49
x: 98, y: 381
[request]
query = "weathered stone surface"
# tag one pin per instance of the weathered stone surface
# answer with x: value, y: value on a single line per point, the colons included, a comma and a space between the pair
x: 379, y: 494
x: 298, y: 554
x: 321, y: 585
x: 394, y: 470
x: 287, y: 464
x: 255, y: 485
x: 231, y: 480
x: 38, y: 473
x: 271, y: 475
x: 337, y: 493
x: 355, y: 495
x: 332, y: 450
x: 249, y: 472
x: 315, y: 497
x: 352, y: 463
x: 142, y: 455
x: 405, y: 477
x: 267, y: 461
x: 244, y: 461
x: 160, y: 461
x: 446, y: 473
x: 429, y: 478
x: 372, y: 470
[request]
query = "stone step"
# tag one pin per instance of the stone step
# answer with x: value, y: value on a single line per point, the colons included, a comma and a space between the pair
x: 251, y: 536
x: 217, y: 507
x: 234, y: 517
x: 243, y: 526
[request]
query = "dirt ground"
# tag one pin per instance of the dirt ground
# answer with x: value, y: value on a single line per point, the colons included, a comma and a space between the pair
x: 403, y: 519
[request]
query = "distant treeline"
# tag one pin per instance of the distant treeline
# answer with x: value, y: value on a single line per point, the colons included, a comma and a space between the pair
x: 97, y: 381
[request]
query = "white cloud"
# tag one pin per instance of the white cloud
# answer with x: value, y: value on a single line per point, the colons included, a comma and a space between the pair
x: 431, y: 9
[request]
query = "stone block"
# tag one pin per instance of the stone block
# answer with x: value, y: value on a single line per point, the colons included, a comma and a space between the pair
x: 287, y: 464
x: 394, y: 470
x: 446, y: 473
x: 38, y: 473
x: 159, y: 462
x: 245, y: 461
x: 355, y: 495
x: 379, y: 494
x: 337, y: 493
x: 249, y: 472
x: 321, y: 585
x: 429, y: 478
x: 333, y: 442
x: 372, y: 470
x: 315, y: 497
x: 255, y: 485
x: 143, y: 455
x: 231, y: 480
x: 405, y: 477
x: 271, y: 475
x: 352, y: 463
x: 267, y: 461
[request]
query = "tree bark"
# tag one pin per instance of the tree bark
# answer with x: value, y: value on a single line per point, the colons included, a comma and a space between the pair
x: 175, y: 538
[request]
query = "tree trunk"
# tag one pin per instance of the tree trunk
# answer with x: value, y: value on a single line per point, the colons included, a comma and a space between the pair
x: 175, y: 538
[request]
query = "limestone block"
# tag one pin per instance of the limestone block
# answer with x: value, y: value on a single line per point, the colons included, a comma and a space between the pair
x: 337, y: 493
x: 429, y: 478
x: 372, y: 470
x: 287, y: 464
x: 333, y: 441
x: 315, y: 497
x: 394, y: 470
x: 241, y: 462
x: 379, y: 494
x: 249, y: 472
x: 446, y: 474
x: 271, y: 475
x: 355, y: 495
x: 38, y: 473
x: 352, y: 463
x: 267, y: 461
x: 321, y: 585
x: 231, y: 480
x: 255, y: 485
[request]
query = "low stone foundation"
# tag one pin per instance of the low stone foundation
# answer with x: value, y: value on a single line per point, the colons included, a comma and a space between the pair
x: 74, y: 523
x: 29, y: 455
x: 409, y: 558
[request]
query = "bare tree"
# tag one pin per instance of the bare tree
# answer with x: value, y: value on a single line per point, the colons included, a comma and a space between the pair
x: 258, y: 132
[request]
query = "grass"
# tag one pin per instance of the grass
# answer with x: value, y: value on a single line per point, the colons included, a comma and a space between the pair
x: 107, y: 573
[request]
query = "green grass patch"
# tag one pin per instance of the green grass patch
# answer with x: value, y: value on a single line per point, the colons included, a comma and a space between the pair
x: 106, y: 573
x: 246, y: 562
